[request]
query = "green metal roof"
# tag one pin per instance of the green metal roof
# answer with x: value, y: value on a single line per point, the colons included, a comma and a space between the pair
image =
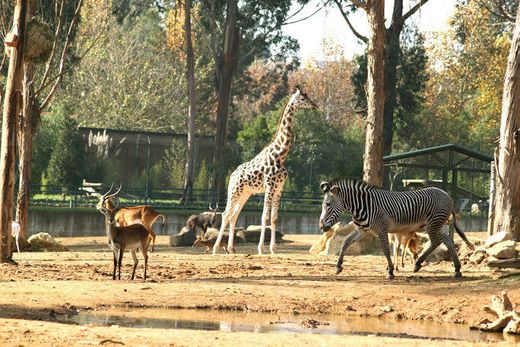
x: 430, y: 150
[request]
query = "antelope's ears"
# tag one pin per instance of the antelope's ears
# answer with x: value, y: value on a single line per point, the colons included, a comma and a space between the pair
x: 325, y: 186
x: 299, y: 89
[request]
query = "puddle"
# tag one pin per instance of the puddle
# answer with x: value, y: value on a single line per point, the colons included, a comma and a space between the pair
x: 274, y: 323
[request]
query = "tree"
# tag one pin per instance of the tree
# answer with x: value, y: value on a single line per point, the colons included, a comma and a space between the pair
x: 66, y: 162
x: 190, y: 76
x: 507, y: 160
x: 9, y: 120
x: 65, y: 19
x: 411, y: 78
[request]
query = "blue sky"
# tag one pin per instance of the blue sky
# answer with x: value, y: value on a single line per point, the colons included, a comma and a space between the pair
x: 328, y: 23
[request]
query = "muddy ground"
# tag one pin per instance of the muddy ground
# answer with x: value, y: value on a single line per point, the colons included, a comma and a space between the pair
x: 34, y: 293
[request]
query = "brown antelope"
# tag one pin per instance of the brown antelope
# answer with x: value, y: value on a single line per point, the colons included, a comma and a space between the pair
x: 209, y: 243
x: 124, y: 216
x: 411, y: 243
x: 131, y: 237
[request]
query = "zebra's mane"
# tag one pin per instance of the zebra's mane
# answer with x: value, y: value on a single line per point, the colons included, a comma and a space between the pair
x: 341, y: 180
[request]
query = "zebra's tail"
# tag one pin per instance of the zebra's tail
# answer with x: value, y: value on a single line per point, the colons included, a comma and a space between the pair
x: 460, y: 232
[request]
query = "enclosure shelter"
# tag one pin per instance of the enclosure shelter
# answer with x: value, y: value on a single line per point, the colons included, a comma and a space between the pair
x: 464, y: 173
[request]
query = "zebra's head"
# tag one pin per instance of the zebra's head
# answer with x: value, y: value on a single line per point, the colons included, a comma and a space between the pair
x: 332, y: 206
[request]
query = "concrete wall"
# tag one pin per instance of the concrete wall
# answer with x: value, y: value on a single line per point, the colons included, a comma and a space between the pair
x: 79, y: 222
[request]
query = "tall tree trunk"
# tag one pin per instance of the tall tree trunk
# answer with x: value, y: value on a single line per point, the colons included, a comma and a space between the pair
x: 8, y: 145
x: 30, y: 115
x: 190, y: 77
x: 225, y: 67
x: 507, y: 203
x: 373, y: 157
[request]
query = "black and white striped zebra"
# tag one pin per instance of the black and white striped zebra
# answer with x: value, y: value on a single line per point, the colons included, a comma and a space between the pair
x: 383, y: 211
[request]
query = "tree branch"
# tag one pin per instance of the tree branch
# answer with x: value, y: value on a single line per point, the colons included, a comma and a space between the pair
x: 413, y: 10
x: 360, y: 3
x: 64, y: 54
x: 309, y: 16
x: 53, y: 50
x: 354, y: 31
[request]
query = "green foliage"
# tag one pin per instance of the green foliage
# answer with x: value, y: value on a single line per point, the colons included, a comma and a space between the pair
x: 66, y: 162
x: 174, y: 162
x: 201, y: 177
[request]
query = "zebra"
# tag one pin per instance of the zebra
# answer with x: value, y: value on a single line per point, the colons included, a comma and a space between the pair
x: 383, y: 211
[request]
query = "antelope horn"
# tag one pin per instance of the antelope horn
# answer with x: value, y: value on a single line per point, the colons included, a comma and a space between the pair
x: 117, y: 192
x: 117, y: 203
x: 216, y: 208
x: 112, y: 186
x: 209, y: 206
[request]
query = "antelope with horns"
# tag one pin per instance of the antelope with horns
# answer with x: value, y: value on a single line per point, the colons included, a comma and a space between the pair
x: 125, y: 216
x: 131, y: 237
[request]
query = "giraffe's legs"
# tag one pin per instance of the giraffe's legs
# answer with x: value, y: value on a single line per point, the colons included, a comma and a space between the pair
x: 265, y: 219
x: 225, y: 221
x: 274, y: 215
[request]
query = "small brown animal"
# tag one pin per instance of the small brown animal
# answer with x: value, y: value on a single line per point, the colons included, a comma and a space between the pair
x: 411, y: 243
x: 209, y: 243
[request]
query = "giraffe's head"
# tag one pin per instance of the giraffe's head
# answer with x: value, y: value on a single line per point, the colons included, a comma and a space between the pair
x: 302, y: 100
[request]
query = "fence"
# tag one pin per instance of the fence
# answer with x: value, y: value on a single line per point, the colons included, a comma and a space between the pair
x: 77, y: 197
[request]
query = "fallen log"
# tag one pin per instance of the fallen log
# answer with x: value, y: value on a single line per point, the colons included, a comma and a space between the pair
x: 504, y: 263
x: 506, y: 319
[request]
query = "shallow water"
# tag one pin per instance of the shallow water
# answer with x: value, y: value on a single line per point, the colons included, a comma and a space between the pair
x: 233, y: 321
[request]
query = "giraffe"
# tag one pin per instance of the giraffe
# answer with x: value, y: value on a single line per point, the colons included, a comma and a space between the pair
x: 265, y: 173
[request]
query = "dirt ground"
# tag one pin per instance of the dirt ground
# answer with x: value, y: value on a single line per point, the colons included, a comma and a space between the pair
x: 44, y: 285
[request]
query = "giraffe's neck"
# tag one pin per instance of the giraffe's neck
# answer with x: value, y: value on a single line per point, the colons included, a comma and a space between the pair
x: 282, y: 139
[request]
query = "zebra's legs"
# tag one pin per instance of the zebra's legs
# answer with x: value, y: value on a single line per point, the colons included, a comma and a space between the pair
x: 383, y: 238
x: 434, y: 243
x: 350, y: 239
x: 448, y: 241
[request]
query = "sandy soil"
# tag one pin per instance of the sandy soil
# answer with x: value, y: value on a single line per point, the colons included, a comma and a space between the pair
x: 44, y: 285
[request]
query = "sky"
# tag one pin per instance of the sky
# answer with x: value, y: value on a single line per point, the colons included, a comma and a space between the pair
x: 329, y: 23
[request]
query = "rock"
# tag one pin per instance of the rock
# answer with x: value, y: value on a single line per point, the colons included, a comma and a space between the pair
x: 239, y: 234
x: 477, y: 257
x: 320, y: 244
x: 386, y: 309
x: 496, y: 238
x: 184, y: 238
x: 367, y: 244
x: 503, y: 250
x: 441, y: 253
x: 252, y: 234
x: 45, y: 242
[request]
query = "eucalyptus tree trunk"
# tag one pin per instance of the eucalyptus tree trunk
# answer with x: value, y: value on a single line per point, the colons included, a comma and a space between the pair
x: 373, y: 157
x: 225, y: 68
x: 28, y: 124
x: 507, y: 196
x: 8, y: 145
x: 190, y: 77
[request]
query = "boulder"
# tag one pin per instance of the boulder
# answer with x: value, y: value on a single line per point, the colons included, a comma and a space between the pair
x: 320, y: 244
x: 184, y: 238
x: 46, y: 243
x: 496, y: 238
x: 367, y: 244
x: 477, y: 257
x: 441, y: 253
x: 252, y: 234
x: 239, y: 234
x: 503, y: 250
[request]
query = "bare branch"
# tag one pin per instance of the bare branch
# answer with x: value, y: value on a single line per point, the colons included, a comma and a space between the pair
x: 413, y: 10
x: 64, y: 54
x: 500, y: 11
x: 54, y: 44
x: 359, y: 3
x: 309, y: 16
x: 354, y: 31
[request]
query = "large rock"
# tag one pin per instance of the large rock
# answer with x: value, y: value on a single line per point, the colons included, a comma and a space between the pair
x: 184, y: 238
x: 45, y: 242
x: 367, y: 244
x: 320, y: 244
x: 441, y: 253
x: 503, y: 250
x: 496, y: 238
x: 252, y: 234
x: 212, y: 232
